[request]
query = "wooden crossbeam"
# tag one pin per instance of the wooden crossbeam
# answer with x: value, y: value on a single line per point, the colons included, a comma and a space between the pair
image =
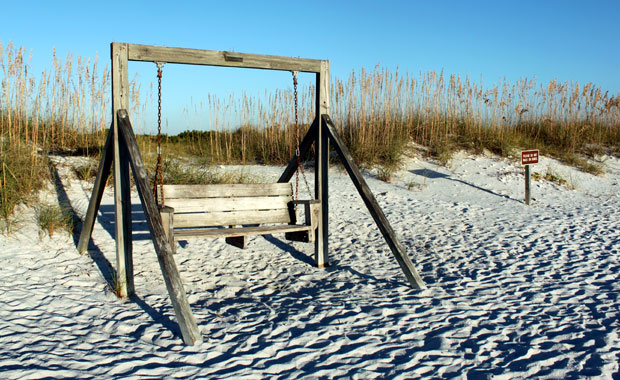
x: 166, y: 54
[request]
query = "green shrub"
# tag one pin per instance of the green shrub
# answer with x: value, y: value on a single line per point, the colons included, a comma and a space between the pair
x: 51, y: 218
x: 22, y: 174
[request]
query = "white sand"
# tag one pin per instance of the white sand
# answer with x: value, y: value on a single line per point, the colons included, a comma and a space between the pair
x: 514, y: 291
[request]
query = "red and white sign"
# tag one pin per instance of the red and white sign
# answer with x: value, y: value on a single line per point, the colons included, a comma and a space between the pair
x: 529, y: 157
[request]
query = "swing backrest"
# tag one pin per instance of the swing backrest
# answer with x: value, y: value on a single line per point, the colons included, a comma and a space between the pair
x: 229, y: 204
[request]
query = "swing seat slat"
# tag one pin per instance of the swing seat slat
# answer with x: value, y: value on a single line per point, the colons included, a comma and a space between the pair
x: 235, y: 212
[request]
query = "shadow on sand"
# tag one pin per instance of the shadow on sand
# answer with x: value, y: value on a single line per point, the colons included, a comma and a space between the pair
x: 432, y: 174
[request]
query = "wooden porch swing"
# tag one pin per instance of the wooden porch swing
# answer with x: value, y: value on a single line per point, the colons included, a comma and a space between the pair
x: 121, y: 149
x: 233, y: 211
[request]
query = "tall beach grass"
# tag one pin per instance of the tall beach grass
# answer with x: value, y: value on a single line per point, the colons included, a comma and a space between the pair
x: 378, y: 112
x: 65, y: 108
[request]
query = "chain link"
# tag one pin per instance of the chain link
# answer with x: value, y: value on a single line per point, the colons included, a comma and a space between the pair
x: 297, y: 153
x: 159, y: 178
x: 300, y: 166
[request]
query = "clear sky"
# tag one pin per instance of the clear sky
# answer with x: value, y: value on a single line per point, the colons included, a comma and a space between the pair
x: 568, y: 40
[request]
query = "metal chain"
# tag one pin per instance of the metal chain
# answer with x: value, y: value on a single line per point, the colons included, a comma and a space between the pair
x: 297, y: 153
x: 300, y: 166
x: 159, y: 178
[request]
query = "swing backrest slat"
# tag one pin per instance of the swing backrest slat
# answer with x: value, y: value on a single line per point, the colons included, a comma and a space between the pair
x: 226, y: 204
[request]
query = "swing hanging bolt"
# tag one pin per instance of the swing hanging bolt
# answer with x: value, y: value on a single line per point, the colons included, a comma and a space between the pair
x: 160, y: 65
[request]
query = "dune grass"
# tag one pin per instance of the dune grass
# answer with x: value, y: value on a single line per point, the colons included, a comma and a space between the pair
x: 52, y: 218
x: 378, y: 113
x: 23, y: 172
x: 177, y: 172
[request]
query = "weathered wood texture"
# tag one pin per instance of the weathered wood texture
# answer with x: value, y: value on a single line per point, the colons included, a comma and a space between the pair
x: 125, y: 256
x: 528, y: 194
x: 228, y: 190
x: 221, y: 58
x: 373, y: 206
x: 238, y: 231
x: 187, y: 322
x: 105, y: 164
x: 304, y: 148
x: 231, y: 218
x: 167, y: 220
x: 122, y: 199
x: 238, y: 203
x: 197, y: 207
x: 312, y: 212
x: 321, y: 183
x: 323, y: 98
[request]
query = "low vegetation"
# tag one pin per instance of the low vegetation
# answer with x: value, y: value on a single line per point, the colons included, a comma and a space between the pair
x: 23, y: 172
x: 52, y: 218
x: 553, y: 176
x: 176, y: 172
x: 116, y: 285
x: 378, y: 112
x: 86, y: 171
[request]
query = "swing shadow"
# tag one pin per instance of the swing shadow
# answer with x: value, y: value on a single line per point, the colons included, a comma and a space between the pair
x: 432, y: 174
x: 288, y: 248
x: 158, y: 316
x: 140, y: 231
x: 305, y: 258
x: 139, y: 225
x: 106, y: 218
x: 94, y: 252
x: 65, y: 203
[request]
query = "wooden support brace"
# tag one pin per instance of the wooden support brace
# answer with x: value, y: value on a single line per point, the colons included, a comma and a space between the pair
x: 125, y: 260
x: 321, y: 173
x: 321, y: 255
x: 187, y: 322
x: 237, y: 241
x: 103, y: 172
x: 122, y: 191
x: 373, y: 206
x: 304, y: 148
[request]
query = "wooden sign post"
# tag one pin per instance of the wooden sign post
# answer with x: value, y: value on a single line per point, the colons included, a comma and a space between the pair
x: 528, y: 157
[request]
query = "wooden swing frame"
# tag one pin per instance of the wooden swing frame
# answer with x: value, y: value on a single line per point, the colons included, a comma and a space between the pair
x: 121, y: 149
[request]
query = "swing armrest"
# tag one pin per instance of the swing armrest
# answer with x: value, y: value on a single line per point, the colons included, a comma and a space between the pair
x: 312, y: 209
x: 167, y: 220
x: 306, y: 202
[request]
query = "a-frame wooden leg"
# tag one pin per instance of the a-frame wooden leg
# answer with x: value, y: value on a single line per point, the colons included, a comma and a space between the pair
x: 103, y: 172
x: 304, y: 147
x: 373, y: 206
x: 122, y: 206
x: 321, y: 185
x: 187, y: 322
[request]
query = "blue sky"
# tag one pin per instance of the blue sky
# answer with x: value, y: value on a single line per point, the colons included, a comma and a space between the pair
x: 567, y: 40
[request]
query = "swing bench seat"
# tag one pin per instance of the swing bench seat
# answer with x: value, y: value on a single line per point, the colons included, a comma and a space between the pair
x: 235, y: 212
